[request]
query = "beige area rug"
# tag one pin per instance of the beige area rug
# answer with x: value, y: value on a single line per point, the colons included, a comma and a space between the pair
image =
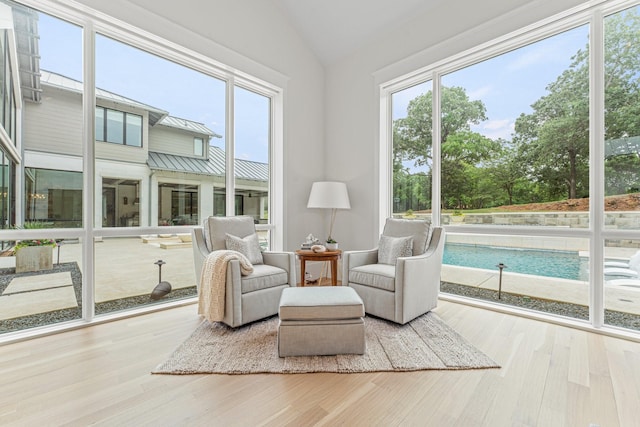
x: 422, y: 344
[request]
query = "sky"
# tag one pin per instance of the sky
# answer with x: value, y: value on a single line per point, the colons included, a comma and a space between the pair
x: 160, y: 83
x: 508, y: 84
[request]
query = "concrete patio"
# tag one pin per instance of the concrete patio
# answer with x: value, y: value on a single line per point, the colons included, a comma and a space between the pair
x: 125, y: 268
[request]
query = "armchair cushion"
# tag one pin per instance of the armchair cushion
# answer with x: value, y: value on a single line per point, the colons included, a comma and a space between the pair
x: 381, y: 276
x: 217, y: 227
x: 417, y: 228
x: 263, y: 277
x: 247, y: 246
x: 390, y: 248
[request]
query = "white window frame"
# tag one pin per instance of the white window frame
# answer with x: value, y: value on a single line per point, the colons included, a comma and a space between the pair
x: 592, y: 14
x: 271, y: 84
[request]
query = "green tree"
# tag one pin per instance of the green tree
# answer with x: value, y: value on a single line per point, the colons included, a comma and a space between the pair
x: 622, y: 102
x: 554, y: 138
x: 507, y: 171
x: 461, y: 148
x: 462, y: 154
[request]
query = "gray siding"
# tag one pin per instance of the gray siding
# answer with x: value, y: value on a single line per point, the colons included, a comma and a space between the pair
x: 55, y: 125
x: 172, y: 141
x: 122, y: 153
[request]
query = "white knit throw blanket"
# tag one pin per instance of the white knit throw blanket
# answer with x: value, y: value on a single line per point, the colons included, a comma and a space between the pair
x: 213, y: 282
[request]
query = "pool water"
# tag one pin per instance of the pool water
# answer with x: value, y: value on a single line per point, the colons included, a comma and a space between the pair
x: 562, y: 264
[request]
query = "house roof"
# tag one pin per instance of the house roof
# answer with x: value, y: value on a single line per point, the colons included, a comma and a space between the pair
x: 189, y: 125
x: 157, y: 116
x: 28, y: 56
x: 63, y: 82
x: 214, y: 165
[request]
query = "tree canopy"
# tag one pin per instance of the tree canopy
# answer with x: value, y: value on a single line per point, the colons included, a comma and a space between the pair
x: 548, y: 156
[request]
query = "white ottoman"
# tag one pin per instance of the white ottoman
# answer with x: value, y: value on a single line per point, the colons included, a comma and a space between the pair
x: 321, y: 320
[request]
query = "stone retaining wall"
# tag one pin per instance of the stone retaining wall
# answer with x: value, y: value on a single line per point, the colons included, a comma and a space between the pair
x: 614, y: 220
x: 628, y: 220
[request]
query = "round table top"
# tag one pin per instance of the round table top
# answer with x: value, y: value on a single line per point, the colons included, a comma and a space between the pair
x: 311, y: 254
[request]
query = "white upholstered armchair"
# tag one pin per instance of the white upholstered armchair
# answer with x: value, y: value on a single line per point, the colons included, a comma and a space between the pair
x: 252, y: 297
x: 399, y: 280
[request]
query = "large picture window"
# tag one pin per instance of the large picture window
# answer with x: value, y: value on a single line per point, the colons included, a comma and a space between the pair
x: 507, y: 142
x: 106, y: 213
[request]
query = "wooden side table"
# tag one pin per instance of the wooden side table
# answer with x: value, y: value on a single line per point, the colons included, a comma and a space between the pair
x: 331, y: 256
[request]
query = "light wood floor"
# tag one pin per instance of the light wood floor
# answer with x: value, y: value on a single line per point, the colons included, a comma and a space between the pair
x: 550, y: 376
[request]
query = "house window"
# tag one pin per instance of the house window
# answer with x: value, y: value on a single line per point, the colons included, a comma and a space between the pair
x: 7, y: 93
x: 198, y: 147
x: 53, y: 197
x: 177, y: 204
x: 118, y: 127
x: 6, y: 181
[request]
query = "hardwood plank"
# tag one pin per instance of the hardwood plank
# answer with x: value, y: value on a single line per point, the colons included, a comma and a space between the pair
x: 100, y: 375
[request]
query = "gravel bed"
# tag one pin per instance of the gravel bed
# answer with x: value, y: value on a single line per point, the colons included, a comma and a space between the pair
x: 575, y: 311
x: 612, y: 318
x: 74, y: 313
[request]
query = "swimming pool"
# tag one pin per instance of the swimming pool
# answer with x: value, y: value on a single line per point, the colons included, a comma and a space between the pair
x: 538, y: 262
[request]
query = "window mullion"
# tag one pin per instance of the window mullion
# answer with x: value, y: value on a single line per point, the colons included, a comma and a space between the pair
x: 436, y: 150
x: 230, y: 150
x: 89, y: 108
x: 124, y: 128
x: 596, y: 159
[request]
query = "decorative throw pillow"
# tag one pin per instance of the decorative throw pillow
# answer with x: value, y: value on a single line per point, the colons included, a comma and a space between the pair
x: 248, y: 246
x: 390, y: 248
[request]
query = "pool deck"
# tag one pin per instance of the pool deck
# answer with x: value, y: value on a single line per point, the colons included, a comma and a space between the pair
x: 617, y: 298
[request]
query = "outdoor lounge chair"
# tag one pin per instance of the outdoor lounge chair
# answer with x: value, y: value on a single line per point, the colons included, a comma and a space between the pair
x: 630, y: 269
x: 624, y: 283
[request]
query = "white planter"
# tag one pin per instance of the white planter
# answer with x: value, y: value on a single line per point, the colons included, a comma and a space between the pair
x: 332, y: 246
x: 34, y: 258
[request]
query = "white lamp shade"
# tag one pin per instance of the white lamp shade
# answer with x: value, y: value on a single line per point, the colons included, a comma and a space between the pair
x: 329, y: 195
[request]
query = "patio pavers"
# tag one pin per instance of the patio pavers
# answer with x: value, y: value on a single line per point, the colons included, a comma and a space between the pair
x: 34, y: 302
x: 38, y: 282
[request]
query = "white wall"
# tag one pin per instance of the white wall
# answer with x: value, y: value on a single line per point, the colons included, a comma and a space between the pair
x: 254, y: 37
x: 351, y: 109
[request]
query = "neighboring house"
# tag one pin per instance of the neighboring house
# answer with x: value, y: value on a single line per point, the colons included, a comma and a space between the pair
x: 151, y: 168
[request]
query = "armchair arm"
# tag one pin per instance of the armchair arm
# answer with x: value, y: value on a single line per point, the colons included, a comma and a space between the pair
x: 353, y: 259
x: 283, y: 260
x: 200, y: 251
x: 418, y: 279
x: 425, y: 266
x: 233, y: 294
x: 429, y: 262
x: 233, y: 312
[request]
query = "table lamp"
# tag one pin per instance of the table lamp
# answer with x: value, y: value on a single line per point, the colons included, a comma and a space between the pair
x: 329, y: 195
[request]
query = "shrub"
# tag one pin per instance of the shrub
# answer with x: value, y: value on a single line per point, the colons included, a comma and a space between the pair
x: 34, y: 242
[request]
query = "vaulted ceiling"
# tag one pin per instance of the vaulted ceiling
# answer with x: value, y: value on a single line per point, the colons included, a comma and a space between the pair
x: 335, y: 28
